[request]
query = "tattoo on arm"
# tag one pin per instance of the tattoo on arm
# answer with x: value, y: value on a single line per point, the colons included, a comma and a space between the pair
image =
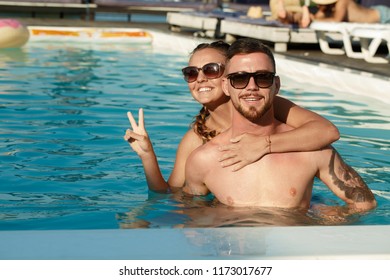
x: 348, y: 180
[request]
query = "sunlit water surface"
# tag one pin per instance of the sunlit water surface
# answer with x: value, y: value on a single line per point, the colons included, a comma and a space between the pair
x: 65, y: 165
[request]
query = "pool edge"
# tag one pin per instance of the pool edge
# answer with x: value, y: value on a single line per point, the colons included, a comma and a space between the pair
x: 308, y: 242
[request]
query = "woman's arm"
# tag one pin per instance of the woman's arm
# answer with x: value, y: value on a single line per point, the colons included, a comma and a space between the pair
x: 312, y: 132
x: 189, y: 143
x: 140, y: 142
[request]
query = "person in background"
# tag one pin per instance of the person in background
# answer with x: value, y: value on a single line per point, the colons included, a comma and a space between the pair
x: 350, y: 11
x: 204, y: 77
x: 288, y: 11
x: 281, y: 180
x: 343, y: 11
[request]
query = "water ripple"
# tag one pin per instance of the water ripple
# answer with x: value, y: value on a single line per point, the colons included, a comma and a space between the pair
x: 63, y: 160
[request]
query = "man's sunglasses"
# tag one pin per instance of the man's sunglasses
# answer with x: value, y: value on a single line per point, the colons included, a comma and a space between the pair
x: 240, y: 80
x: 210, y: 70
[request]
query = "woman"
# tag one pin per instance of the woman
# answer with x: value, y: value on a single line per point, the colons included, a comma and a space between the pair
x: 204, y: 77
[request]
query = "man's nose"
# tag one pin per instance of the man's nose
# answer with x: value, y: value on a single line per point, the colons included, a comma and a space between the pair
x: 252, y: 84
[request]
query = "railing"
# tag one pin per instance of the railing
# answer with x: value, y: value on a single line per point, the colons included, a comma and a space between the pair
x: 87, y: 8
x: 62, y: 7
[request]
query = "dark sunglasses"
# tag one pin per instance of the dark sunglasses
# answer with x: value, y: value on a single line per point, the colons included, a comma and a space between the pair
x: 210, y: 70
x: 240, y: 80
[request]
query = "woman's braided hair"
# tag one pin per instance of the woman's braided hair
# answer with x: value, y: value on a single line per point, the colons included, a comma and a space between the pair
x: 199, y: 124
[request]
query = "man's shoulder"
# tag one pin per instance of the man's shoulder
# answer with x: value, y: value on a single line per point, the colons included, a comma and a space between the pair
x: 208, y: 147
x: 204, y: 152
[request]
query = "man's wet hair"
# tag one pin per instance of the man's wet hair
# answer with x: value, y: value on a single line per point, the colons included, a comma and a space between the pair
x: 248, y: 46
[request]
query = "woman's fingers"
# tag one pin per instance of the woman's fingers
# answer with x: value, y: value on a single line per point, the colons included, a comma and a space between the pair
x: 131, y: 135
x: 225, y: 148
x: 140, y: 127
x: 133, y: 123
x: 141, y: 119
x: 237, y: 138
x: 225, y: 156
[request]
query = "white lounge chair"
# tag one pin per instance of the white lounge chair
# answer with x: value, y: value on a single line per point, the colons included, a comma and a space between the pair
x: 370, y: 37
x: 268, y: 30
x: 206, y: 24
x: 370, y: 40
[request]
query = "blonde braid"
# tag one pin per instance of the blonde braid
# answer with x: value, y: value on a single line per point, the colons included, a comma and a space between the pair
x: 200, y: 127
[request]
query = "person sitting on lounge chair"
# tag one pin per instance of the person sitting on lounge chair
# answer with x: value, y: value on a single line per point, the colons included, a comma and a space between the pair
x: 343, y: 10
x: 287, y: 11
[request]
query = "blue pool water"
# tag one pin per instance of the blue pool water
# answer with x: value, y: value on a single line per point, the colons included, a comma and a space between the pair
x: 64, y: 164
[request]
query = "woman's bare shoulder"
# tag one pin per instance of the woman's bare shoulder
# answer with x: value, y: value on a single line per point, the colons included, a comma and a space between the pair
x: 190, y: 140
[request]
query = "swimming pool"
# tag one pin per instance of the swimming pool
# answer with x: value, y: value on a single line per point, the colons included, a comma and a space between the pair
x: 65, y: 166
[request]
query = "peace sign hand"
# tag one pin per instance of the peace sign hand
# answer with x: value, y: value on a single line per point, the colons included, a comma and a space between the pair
x: 138, y: 137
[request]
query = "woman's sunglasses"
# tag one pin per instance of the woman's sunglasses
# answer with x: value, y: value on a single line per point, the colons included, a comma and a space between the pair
x: 240, y: 80
x: 210, y: 70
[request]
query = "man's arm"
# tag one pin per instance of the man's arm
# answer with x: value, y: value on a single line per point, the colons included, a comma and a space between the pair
x: 345, y: 182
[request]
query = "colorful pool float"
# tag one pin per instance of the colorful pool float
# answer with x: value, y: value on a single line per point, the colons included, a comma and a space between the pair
x: 12, y: 34
x: 85, y: 34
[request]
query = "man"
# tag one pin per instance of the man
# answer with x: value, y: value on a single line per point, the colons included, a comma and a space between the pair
x: 277, y: 180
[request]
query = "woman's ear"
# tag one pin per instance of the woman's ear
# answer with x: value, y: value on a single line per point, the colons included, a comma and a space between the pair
x: 225, y: 86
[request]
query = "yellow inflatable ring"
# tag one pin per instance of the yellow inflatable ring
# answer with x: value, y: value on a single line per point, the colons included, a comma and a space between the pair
x: 12, y: 34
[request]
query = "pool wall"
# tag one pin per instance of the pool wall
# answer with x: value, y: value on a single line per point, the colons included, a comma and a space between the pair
x: 311, y: 242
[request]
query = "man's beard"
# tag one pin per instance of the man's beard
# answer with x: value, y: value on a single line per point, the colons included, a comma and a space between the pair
x: 252, y: 113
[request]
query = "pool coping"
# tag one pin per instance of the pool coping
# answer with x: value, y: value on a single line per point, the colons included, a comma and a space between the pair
x: 235, y: 243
